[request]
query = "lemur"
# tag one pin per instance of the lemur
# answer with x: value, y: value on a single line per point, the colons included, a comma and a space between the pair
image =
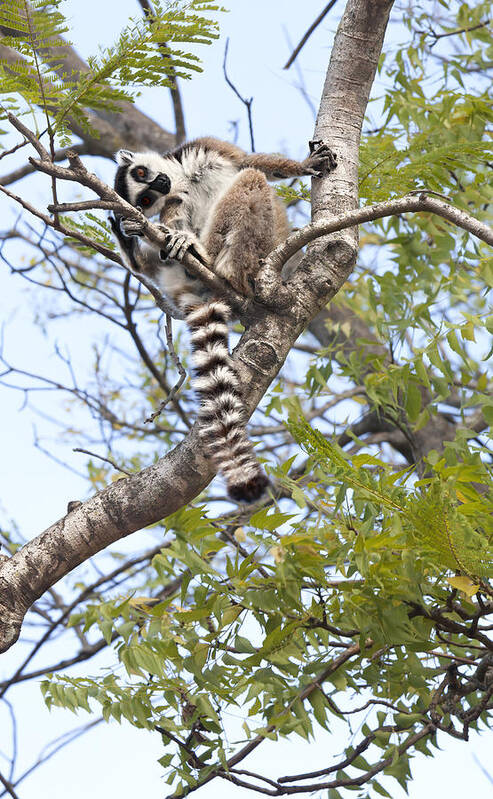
x: 214, y: 201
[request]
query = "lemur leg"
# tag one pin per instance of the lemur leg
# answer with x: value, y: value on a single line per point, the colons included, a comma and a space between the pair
x: 242, y: 229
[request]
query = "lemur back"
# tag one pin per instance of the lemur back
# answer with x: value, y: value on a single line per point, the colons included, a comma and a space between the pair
x: 214, y: 202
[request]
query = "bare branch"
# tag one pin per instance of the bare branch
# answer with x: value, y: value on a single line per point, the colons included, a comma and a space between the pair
x: 406, y: 204
x: 246, y: 103
x: 181, y: 372
x: 101, y: 458
x: 309, y: 32
x: 456, y: 32
x: 29, y: 169
x: 8, y: 787
x: 52, y: 748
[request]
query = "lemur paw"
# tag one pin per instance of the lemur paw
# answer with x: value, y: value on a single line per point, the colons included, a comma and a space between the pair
x: 321, y: 160
x: 130, y: 227
x: 180, y: 242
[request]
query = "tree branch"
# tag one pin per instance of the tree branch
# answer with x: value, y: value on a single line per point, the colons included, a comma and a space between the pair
x: 408, y: 203
x: 246, y: 103
x: 294, y: 55
x: 29, y: 169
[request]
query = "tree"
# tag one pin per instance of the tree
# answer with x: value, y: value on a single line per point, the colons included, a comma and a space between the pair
x: 362, y: 583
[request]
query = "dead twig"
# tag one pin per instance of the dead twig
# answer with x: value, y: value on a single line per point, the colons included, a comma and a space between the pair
x: 101, y: 458
x: 246, y: 103
x: 181, y: 371
x: 309, y: 32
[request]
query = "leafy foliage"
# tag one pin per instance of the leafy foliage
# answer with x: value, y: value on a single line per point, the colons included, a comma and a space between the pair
x: 36, y: 28
x: 359, y: 594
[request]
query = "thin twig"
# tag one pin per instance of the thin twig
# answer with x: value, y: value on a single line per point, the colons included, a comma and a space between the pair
x: 8, y: 787
x: 181, y: 371
x: 63, y: 740
x: 101, y: 458
x: 486, y: 773
x: 301, y: 82
x: 28, y: 169
x: 456, y: 32
x: 246, y: 103
x: 146, y: 358
x: 14, y: 149
x: 309, y: 32
x: 197, y: 762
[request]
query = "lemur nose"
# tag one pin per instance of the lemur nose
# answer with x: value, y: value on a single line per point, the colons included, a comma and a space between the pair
x: 162, y: 184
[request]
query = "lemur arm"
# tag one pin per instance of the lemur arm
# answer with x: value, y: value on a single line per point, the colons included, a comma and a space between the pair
x: 321, y: 159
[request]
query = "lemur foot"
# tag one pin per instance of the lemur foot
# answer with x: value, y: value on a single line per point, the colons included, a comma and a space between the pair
x: 321, y: 160
x: 180, y: 242
x: 130, y: 227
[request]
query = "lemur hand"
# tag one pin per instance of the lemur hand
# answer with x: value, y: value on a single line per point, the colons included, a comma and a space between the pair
x: 180, y: 242
x: 321, y: 160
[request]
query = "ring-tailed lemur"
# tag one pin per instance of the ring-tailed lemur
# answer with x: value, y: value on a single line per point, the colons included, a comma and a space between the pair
x: 215, y: 202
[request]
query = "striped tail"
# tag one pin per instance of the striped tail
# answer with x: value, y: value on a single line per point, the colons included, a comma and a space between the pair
x: 221, y: 414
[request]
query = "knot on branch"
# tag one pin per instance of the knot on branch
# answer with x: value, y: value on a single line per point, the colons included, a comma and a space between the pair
x: 270, y: 290
x: 12, y: 611
x: 260, y: 355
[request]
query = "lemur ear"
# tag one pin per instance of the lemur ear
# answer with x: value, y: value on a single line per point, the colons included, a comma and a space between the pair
x: 124, y: 157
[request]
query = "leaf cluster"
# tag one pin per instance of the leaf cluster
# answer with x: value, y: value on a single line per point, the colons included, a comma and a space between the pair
x: 148, y: 52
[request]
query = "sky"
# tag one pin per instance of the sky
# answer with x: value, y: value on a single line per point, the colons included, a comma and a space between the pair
x: 116, y: 760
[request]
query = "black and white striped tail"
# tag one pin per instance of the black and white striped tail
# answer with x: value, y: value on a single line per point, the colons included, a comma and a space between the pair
x: 221, y: 415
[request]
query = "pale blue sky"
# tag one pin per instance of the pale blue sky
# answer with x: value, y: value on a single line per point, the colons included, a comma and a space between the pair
x: 121, y: 761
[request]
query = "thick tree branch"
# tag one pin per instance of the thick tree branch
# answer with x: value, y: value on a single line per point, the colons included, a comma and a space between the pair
x: 409, y: 203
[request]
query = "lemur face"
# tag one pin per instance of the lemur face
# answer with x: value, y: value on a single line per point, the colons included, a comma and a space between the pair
x: 141, y: 181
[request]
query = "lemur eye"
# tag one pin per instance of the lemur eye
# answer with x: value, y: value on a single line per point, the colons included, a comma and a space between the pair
x: 141, y: 172
x: 146, y: 201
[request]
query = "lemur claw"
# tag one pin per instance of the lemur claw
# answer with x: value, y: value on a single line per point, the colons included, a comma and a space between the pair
x: 179, y: 242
